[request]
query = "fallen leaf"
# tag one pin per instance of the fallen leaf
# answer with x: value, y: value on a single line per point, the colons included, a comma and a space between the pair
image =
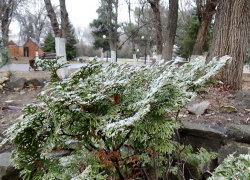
x: 115, y: 99
x: 183, y: 115
x: 247, y: 120
x: 9, y: 101
x: 17, y: 89
x: 230, y: 108
x: 247, y: 110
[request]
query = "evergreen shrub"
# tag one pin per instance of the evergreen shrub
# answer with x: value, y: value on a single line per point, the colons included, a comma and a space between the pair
x: 116, y: 121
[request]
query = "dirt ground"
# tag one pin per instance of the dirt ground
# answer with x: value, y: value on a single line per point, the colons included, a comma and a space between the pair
x: 223, y: 109
x: 17, y: 99
x: 215, y: 114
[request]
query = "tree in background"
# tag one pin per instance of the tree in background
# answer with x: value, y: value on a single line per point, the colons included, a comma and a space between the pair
x: 32, y: 18
x: 230, y: 37
x: 146, y: 29
x: 155, y: 6
x: 205, y: 11
x: 71, y: 49
x: 49, y: 43
x: 100, y: 30
x: 60, y: 32
x: 170, y: 30
x: 85, y: 42
x: 7, y: 8
x: 131, y: 36
x: 187, y: 34
x: 112, y: 17
x: 84, y: 35
x: 131, y: 31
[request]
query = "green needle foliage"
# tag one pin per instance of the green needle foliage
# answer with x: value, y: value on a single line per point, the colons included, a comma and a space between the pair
x: 71, y: 50
x: 52, y: 66
x: 233, y: 168
x: 115, y: 121
x: 49, y: 43
x: 4, y: 54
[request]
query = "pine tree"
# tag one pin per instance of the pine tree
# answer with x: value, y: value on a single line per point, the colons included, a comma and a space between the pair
x: 49, y: 43
x: 71, y: 49
x: 100, y: 27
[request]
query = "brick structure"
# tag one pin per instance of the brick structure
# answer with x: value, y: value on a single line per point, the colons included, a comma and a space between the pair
x: 27, y: 50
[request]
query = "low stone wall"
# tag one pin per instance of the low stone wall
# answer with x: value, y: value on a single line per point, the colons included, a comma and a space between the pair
x: 7, y: 171
x: 234, y: 139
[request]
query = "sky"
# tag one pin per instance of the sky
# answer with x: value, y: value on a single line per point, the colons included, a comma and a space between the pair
x: 82, y: 12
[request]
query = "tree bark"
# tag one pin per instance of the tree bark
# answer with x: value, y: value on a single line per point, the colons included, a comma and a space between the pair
x: 155, y: 6
x: 132, y: 35
x: 102, y: 55
x: 52, y: 17
x: 171, y: 30
x: 205, y: 12
x: 230, y: 37
x: 60, y: 44
x: 112, y: 28
x: 60, y: 34
x: 64, y: 19
x: 6, y: 12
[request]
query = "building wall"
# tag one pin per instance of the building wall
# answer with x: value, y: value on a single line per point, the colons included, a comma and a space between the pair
x: 13, y: 50
x: 32, y: 48
x: 18, y: 51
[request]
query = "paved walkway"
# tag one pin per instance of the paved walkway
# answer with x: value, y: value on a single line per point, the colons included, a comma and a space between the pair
x: 25, y: 67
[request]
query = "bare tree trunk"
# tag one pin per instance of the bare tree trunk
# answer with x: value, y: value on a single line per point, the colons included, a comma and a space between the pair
x: 132, y: 36
x: 5, y: 32
x: 112, y: 28
x: 6, y: 12
x: 171, y: 29
x: 60, y: 34
x: 102, y: 55
x: 205, y: 12
x: 155, y: 6
x: 64, y: 19
x: 52, y: 17
x: 116, y: 29
x: 230, y: 37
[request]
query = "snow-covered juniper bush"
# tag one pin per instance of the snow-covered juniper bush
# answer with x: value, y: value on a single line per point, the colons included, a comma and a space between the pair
x: 53, y: 66
x: 115, y: 121
x: 233, y: 168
